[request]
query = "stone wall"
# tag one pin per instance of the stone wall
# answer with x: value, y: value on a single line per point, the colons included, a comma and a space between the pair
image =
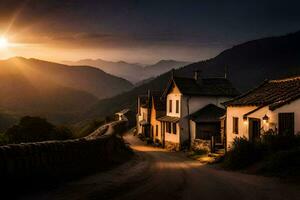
x: 172, y: 146
x: 43, y: 160
x: 201, y: 145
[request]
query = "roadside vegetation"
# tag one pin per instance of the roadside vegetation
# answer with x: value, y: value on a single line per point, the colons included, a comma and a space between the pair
x: 34, y: 129
x: 273, y: 155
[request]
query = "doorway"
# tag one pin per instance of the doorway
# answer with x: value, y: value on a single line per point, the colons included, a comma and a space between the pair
x: 254, y: 129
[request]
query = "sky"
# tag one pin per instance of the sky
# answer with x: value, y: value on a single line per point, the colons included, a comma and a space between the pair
x: 142, y: 31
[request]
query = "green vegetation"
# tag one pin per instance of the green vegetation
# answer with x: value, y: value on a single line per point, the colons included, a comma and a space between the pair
x: 274, y: 155
x: 84, y: 128
x: 34, y: 129
x: 243, y: 154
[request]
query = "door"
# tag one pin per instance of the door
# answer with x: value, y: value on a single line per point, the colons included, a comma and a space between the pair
x: 286, y: 124
x: 254, y: 129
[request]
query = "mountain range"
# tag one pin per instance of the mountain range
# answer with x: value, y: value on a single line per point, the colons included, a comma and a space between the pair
x: 56, y: 91
x: 133, y: 72
x: 247, y: 65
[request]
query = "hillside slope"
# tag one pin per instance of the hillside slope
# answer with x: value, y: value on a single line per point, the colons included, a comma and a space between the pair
x: 129, y: 71
x: 248, y: 65
x: 35, y: 87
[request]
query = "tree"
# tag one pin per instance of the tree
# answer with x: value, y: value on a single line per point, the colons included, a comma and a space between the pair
x: 34, y: 129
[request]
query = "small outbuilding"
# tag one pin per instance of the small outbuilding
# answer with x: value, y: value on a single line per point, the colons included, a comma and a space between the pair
x: 274, y: 107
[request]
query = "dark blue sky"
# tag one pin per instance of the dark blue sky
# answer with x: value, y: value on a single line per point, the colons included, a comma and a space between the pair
x: 148, y: 30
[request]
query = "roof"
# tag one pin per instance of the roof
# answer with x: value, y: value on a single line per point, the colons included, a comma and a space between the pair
x: 209, y: 113
x: 159, y: 104
x: 272, y: 93
x: 203, y: 87
x: 168, y: 119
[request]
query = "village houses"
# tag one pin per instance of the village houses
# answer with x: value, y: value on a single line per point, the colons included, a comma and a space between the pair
x: 272, y: 107
x: 188, y: 113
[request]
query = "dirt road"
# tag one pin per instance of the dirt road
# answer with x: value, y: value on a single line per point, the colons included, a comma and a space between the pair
x: 157, y: 174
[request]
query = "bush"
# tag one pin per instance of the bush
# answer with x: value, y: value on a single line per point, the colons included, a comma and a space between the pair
x: 280, y: 142
x: 242, y: 154
x: 282, y: 163
x: 35, y: 129
x: 3, y: 139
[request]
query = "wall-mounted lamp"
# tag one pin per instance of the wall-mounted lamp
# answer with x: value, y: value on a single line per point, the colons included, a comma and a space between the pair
x: 265, y: 119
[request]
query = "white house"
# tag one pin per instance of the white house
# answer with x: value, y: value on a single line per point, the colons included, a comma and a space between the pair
x: 273, y: 106
x: 143, y: 115
x: 185, y: 96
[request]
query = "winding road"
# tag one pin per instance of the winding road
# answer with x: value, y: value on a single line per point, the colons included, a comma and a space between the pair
x: 155, y: 173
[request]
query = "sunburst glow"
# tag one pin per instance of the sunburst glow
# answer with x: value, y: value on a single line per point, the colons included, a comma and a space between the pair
x: 3, y: 43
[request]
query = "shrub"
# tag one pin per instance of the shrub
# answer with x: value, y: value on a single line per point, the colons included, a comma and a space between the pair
x: 3, y: 139
x: 35, y: 129
x: 243, y: 153
x: 276, y: 142
x: 282, y: 163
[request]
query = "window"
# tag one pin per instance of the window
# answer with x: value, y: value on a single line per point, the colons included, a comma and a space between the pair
x: 168, y: 127
x: 235, y: 125
x: 174, y: 128
x: 177, y: 106
x: 156, y: 130
x: 170, y: 106
x: 286, y: 124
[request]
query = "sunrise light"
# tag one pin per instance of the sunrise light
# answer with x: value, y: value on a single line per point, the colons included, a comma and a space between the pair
x: 3, y: 43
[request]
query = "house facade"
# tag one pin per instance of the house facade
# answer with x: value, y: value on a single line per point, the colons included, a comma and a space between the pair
x: 185, y: 96
x: 274, y: 107
x: 143, y: 115
x: 157, y: 110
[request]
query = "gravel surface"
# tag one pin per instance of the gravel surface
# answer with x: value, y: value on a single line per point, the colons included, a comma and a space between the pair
x: 155, y: 173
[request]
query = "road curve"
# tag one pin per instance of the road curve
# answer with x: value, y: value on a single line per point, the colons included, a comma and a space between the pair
x: 155, y: 173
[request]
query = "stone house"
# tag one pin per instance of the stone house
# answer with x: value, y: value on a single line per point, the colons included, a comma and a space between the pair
x: 273, y: 106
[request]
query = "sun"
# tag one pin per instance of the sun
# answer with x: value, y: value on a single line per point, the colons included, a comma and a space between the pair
x: 3, y: 43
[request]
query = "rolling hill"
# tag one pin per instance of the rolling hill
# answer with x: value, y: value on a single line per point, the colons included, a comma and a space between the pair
x: 129, y: 71
x: 248, y: 64
x: 55, y: 91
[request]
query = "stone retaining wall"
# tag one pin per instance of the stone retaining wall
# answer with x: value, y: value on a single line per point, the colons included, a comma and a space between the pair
x: 62, y: 158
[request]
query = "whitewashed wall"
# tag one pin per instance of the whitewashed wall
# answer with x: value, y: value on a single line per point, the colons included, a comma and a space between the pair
x: 259, y: 114
x: 243, y: 127
x: 170, y: 137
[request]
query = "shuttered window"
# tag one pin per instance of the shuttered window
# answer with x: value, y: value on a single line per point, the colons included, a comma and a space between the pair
x: 156, y: 130
x: 286, y: 123
x: 177, y: 106
x: 170, y: 106
x: 235, y: 125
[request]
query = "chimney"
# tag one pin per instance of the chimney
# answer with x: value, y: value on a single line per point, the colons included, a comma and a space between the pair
x: 197, y: 76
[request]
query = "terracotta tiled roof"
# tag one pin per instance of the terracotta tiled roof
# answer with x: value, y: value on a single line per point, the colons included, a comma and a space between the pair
x: 273, y: 93
x: 209, y: 113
